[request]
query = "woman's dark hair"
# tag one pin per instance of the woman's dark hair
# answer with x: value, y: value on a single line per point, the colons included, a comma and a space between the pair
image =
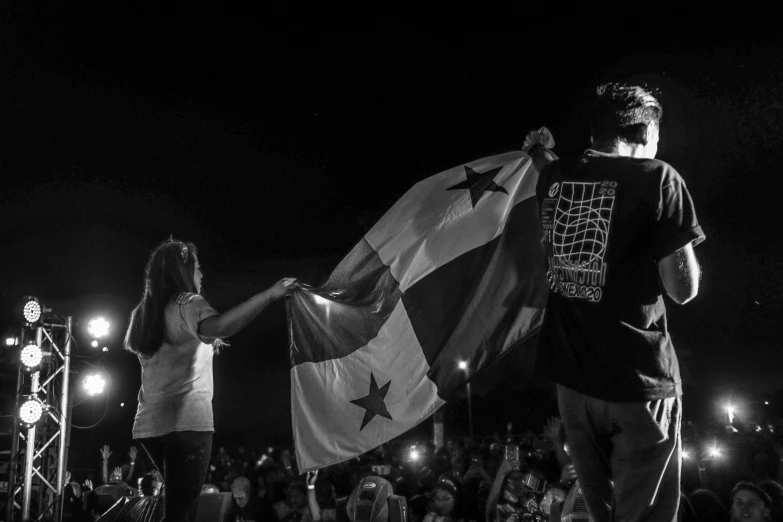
x: 621, y: 111
x: 454, y: 489
x: 169, y: 272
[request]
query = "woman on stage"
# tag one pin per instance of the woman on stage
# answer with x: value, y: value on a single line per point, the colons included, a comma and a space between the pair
x: 175, y: 334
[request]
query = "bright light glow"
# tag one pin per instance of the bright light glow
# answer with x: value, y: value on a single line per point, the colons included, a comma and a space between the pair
x: 715, y: 452
x: 94, y: 343
x: 414, y: 455
x: 731, y: 411
x: 105, y: 349
x: 94, y: 384
x: 98, y: 328
x: 122, y: 404
x: 10, y: 341
x: 758, y: 428
x: 30, y: 411
x: 31, y: 355
x: 766, y: 403
x: 31, y: 310
x: 320, y: 300
x: 463, y: 365
x: 686, y: 455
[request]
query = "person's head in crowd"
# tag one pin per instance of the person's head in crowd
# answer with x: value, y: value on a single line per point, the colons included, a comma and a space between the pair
x: 750, y: 503
x: 241, y: 491
x: 209, y: 489
x: 447, y: 500
x: 148, y: 485
x: 775, y: 492
x: 325, y: 493
x: 554, y: 494
x: 296, y: 495
x: 708, y: 506
x: 626, y: 116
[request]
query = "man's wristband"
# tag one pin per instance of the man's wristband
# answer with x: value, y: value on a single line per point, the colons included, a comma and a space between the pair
x: 310, y: 486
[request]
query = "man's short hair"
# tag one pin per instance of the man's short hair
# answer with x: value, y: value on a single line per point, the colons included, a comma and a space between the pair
x: 241, y: 484
x: 749, y: 486
x: 620, y: 111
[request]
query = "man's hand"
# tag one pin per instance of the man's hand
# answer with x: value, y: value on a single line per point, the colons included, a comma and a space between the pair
x: 117, y: 471
x: 88, y: 484
x: 540, y: 137
x: 105, y: 453
x: 133, y: 453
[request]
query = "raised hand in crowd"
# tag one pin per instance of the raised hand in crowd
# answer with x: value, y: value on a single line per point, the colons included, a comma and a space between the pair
x: 312, y: 501
x: 285, y: 458
x: 105, y: 452
x: 88, y: 484
x: 133, y: 452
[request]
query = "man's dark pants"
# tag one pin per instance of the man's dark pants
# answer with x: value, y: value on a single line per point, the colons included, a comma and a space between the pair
x: 627, y: 455
x: 182, y: 457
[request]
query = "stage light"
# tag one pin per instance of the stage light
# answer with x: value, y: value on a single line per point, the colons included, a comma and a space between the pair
x: 30, y: 411
x: 730, y: 410
x: 10, y: 341
x: 94, y: 384
x: 715, y: 452
x: 414, y: 455
x: 766, y: 403
x: 31, y: 309
x: 94, y: 343
x: 686, y: 455
x: 463, y: 365
x: 31, y: 356
x: 105, y: 349
x: 98, y: 328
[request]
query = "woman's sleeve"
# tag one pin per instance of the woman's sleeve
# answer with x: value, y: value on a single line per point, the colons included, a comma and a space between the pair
x: 192, y: 310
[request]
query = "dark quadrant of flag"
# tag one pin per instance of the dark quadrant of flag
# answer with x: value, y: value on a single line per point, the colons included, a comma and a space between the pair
x: 454, y: 272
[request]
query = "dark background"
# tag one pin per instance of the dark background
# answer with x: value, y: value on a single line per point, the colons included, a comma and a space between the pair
x: 275, y: 148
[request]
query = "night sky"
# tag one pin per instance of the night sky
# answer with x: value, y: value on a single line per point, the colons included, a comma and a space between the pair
x: 274, y: 152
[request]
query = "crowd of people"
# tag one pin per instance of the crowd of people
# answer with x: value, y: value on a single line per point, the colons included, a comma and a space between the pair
x: 501, y: 478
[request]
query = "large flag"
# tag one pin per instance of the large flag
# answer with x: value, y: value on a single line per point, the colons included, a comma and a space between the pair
x: 454, y: 272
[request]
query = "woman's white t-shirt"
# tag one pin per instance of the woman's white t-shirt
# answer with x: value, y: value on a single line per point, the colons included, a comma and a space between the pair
x: 176, y: 383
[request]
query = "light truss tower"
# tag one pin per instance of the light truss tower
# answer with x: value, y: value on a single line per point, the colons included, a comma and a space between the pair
x: 39, y: 451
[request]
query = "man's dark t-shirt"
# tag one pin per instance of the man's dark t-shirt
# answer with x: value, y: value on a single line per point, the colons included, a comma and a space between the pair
x: 607, y: 221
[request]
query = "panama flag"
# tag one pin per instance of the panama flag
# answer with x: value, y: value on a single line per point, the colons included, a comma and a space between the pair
x: 454, y: 272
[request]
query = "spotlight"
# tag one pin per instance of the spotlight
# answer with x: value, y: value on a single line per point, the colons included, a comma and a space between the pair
x: 414, y: 454
x: 94, y: 343
x: 31, y: 309
x: 686, y: 455
x: 10, y: 341
x: 463, y: 365
x: 98, y: 328
x: 715, y: 452
x: 30, y: 411
x: 31, y: 356
x: 94, y: 384
x: 105, y: 348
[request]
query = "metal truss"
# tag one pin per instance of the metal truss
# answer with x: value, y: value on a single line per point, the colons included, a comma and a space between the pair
x: 39, y: 454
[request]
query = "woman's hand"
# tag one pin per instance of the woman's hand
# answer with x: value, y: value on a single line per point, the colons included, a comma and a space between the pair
x: 133, y: 453
x: 282, y: 287
x: 312, y: 476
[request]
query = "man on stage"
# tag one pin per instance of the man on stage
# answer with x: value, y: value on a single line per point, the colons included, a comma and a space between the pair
x: 619, y: 228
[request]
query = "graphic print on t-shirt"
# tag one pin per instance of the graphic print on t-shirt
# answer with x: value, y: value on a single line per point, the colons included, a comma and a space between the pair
x: 577, y: 227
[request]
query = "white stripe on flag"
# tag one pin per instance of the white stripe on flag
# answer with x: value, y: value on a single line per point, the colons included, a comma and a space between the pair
x: 326, y: 423
x: 425, y: 229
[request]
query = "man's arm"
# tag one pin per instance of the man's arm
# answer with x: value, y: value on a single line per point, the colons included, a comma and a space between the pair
x: 680, y: 274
